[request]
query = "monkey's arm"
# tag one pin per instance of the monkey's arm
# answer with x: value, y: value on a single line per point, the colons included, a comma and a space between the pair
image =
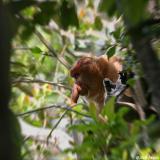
x: 75, y: 93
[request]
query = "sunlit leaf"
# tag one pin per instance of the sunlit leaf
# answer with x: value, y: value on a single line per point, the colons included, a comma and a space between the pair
x: 131, y: 82
x: 36, y: 50
x: 111, y: 51
x: 108, y: 109
x: 93, y: 110
x: 78, y: 107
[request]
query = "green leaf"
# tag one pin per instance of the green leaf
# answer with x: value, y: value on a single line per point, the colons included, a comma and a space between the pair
x: 84, y: 127
x: 111, y: 51
x: 27, y: 31
x: 108, y: 109
x: 52, y: 98
x: 36, y: 50
x: 108, y: 6
x: 98, y: 23
x: 47, y: 10
x: 26, y: 89
x: 29, y: 12
x: 93, y: 110
x: 131, y: 82
x: 90, y: 4
x: 68, y: 15
x: 116, y: 33
x: 122, y: 112
x: 70, y: 59
x: 78, y: 107
x: 17, y: 6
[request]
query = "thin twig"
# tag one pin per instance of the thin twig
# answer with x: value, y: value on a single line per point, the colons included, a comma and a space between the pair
x: 43, y: 40
x: 42, y: 53
x: 38, y: 110
x: 55, y: 126
x: 63, y: 50
x: 39, y: 81
x: 52, y: 106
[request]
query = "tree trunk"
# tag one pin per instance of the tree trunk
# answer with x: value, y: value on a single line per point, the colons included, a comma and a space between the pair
x: 10, y: 138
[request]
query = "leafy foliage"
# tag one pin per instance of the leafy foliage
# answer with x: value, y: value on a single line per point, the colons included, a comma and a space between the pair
x: 113, y: 139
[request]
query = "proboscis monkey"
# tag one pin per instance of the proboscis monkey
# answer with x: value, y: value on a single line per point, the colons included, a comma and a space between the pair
x: 89, y: 73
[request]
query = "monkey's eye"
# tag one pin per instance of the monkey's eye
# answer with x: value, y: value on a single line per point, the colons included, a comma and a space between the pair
x: 76, y: 75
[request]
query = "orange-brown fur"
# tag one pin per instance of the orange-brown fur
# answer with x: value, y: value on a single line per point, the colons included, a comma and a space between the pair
x: 89, y: 73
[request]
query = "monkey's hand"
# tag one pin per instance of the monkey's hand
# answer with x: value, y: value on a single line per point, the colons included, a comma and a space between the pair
x: 75, y: 94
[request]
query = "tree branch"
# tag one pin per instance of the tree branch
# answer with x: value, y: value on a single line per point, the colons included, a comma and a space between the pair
x: 39, y: 81
x: 53, y: 106
x: 28, y: 48
x: 48, y: 46
x: 55, y: 126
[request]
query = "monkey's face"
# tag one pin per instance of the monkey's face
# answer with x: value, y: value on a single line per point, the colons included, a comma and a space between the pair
x: 86, y: 74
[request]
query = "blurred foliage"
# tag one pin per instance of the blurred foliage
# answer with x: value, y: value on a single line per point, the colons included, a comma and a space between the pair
x: 40, y: 78
x: 114, y: 139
